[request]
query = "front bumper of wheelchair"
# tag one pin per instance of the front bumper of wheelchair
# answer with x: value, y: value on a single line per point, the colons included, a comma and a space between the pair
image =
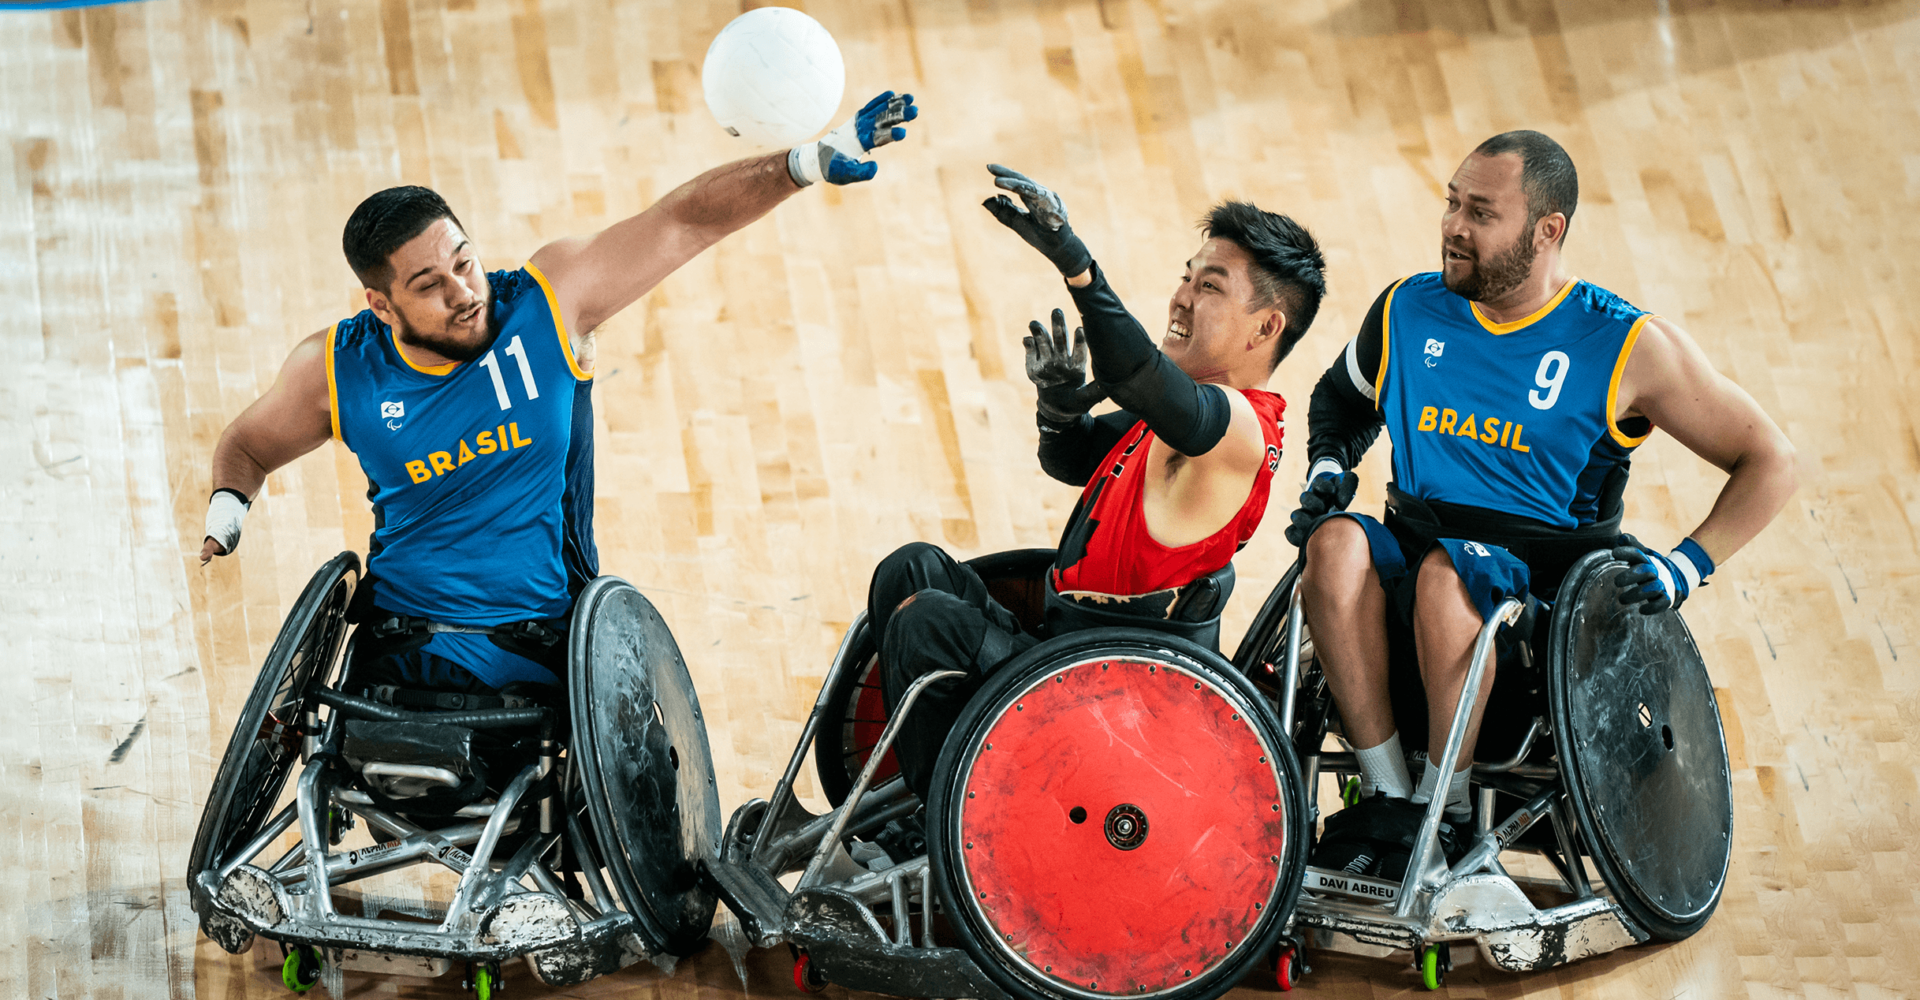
x: 559, y: 948
x: 1487, y: 909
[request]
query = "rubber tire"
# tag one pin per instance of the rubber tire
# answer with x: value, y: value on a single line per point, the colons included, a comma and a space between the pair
x: 986, y: 704
x: 805, y: 977
x: 1432, y: 975
x: 323, y: 604
x: 295, y: 972
x: 1286, y: 970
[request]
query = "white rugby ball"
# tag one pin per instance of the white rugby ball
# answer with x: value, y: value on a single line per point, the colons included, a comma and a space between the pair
x: 773, y: 77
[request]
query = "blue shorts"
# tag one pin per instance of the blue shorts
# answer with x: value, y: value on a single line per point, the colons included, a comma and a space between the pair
x: 1491, y: 573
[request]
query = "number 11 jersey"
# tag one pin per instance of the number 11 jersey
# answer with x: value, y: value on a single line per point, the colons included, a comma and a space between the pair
x: 467, y: 463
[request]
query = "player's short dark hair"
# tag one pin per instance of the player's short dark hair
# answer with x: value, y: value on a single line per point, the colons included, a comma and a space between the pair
x: 1287, y: 269
x: 1546, y: 173
x: 384, y: 223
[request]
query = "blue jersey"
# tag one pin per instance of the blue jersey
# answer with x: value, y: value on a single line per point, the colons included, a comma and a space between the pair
x: 480, y: 474
x: 1512, y: 417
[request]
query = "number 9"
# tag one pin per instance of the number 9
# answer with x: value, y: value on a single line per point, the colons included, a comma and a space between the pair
x: 1551, y: 374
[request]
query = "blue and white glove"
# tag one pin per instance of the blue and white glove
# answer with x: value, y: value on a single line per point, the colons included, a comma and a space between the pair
x: 1656, y: 582
x: 838, y: 156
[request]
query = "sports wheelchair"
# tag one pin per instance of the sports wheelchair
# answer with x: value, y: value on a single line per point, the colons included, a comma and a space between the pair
x: 519, y: 802
x: 1117, y: 812
x: 1622, y: 755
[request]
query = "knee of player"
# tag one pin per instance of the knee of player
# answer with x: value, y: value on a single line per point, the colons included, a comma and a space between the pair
x: 1338, y: 547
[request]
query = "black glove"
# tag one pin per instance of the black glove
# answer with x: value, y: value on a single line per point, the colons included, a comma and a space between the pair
x: 1327, y: 493
x: 1043, y: 223
x: 1060, y: 376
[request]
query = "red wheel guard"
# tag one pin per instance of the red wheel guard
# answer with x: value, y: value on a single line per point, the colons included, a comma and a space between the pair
x: 1063, y: 780
x: 869, y: 721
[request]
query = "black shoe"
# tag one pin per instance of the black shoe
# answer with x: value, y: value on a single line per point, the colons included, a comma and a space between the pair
x: 1393, y: 858
x: 1378, y: 818
x: 1344, y: 853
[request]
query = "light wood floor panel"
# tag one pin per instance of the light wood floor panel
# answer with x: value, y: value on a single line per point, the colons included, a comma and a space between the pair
x: 847, y: 376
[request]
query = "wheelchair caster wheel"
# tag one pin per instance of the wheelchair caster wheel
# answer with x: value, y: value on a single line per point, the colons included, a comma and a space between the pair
x: 1287, y: 969
x: 483, y: 981
x: 806, y: 977
x: 1350, y: 794
x: 1435, y: 961
x: 301, y: 969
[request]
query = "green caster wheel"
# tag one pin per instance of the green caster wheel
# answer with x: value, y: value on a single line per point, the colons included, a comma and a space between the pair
x: 1435, y: 961
x: 483, y: 981
x: 1350, y: 795
x: 301, y: 969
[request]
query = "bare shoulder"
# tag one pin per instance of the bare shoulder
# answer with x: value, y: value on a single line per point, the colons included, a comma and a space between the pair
x: 1245, y: 444
x: 1665, y: 361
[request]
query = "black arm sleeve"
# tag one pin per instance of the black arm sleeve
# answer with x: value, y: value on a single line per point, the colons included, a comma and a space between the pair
x: 1071, y: 453
x: 1342, y: 419
x: 1191, y: 418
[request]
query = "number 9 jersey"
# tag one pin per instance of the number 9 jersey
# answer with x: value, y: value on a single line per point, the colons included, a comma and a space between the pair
x: 1513, y: 417
x: 469, y: 464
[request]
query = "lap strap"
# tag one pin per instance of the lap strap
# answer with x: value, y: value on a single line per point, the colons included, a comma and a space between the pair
x: 391, y: 625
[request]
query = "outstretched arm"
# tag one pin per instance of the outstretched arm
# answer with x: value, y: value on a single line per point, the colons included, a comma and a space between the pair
x: 599, y: 275
x: 292, y: 418
x: 596, y: 276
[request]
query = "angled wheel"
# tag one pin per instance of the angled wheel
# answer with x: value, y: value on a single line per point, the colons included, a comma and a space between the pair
x: 646, y: 770
x: 1068, y: 811
x: 855, y: 714
x: 1261, y: 655
x: 267, y: 736
x: 1642, y: 752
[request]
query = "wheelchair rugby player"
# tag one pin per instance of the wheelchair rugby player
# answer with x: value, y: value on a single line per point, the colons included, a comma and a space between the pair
x: 1064, y: 715
x: 503, y: 713
x: 1514, y: 395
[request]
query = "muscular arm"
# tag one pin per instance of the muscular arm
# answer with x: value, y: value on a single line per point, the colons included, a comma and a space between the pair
x: 1190, y: 417
x: 1669, y: 380
x: 292, y: 418
x: 599, y: 275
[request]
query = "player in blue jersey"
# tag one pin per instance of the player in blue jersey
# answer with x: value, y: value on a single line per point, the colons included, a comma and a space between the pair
x: 1514, y: 394
x: 466, y: 396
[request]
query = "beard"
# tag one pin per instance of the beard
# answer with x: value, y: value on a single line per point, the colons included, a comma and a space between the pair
x: 1497, y: 275
x: 444, y: 342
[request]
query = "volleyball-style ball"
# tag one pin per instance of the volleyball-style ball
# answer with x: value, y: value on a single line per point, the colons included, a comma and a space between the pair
x: 773, y: 76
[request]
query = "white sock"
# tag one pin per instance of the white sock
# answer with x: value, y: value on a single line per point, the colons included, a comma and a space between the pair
x: 1429, y: 780
x: 1383, y: 769
x: 1458, y: 807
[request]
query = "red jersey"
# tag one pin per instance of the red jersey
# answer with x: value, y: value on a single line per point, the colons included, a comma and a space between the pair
x: 1106, y: 548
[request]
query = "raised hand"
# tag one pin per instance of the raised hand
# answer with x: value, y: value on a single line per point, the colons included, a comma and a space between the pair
x: 1059, y: 373
x: 1040, y: 219
x: 839, y: 156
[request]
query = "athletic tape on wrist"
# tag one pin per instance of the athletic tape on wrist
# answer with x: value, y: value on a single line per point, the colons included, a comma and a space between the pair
x: 1689, y: 557
x: 225, y: 514
x: 1325, y: 466
x: 803, y: 164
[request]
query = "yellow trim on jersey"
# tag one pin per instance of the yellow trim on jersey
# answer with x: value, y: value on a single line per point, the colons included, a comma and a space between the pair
x: 1538, y: 314
x: 422, y: 369
x: 559, y: 323
x: 1386, y: 326
x: 333, y: 388
x: 1613, y: 386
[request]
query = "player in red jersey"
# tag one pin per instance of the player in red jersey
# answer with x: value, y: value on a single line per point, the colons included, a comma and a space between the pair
x: 1175, y: 481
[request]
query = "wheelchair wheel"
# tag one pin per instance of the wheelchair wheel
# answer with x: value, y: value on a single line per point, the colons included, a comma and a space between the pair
x: 850, y: 727
x: 1263, y: 649
x: 646, y: 769
x: 1642, y: 752
x: 1117, y: 814
x: 266, y: 740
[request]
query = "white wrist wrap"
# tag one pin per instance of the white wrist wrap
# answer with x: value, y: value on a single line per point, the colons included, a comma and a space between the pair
x: 803, y: 164
x: 1325, y: 465
x: 1687, y: 569
x: 225, y: 513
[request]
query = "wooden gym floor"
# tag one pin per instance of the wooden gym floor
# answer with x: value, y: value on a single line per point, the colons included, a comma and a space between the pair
x: 846, y: 375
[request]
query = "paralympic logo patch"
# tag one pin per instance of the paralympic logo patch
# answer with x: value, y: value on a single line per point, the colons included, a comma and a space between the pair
x: 1435, y: 348
x: 392, y: 412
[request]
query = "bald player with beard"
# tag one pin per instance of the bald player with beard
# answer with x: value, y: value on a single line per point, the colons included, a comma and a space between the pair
x: 1515, y: 395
